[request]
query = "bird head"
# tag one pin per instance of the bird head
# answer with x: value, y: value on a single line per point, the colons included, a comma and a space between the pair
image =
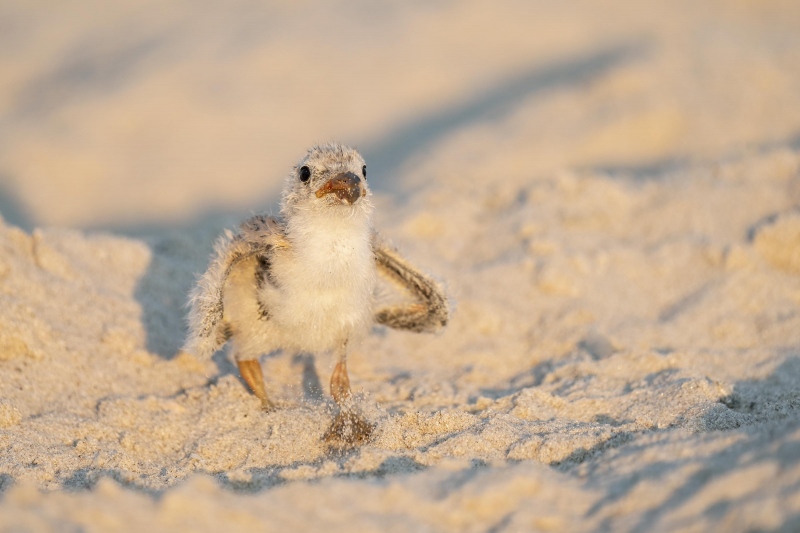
x: 330, y: 178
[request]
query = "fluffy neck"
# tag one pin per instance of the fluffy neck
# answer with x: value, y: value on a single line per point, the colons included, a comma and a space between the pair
x: 305, y: 227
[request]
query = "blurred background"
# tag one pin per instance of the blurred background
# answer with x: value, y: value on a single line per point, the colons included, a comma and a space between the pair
x: 136, y: 116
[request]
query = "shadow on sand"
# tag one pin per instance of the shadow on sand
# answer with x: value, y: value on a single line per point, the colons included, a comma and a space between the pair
x: 12, y: 209
x: 773, y: 406
x: 406, y: 142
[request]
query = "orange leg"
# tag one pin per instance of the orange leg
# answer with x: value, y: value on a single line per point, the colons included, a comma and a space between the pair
x: 349, y: 429
x: 340, y: 383
x: 254, y: 377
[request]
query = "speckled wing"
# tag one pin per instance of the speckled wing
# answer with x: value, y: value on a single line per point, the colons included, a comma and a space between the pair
x: 429, y: 312
x: 258, y: 236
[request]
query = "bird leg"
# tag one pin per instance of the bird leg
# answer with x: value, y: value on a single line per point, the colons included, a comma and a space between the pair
x: 340, y: 382
x: 250, y: 371
x: 349, y: 429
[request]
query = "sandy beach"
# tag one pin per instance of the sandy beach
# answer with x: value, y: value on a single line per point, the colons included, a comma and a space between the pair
x: 608, y: 190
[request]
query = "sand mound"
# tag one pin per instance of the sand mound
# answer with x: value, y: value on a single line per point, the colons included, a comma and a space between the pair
x: 609, y: 190
x: 621, y: 345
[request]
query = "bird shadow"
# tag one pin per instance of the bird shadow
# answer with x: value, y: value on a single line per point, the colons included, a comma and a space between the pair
x: 311, y: 384
x: 162, y: 291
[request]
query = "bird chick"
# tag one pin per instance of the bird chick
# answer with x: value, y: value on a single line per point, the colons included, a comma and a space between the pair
x: 305, y: 282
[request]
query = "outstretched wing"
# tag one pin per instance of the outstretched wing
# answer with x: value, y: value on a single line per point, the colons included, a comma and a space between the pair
x: 429, y: 312
x: 258, y: 236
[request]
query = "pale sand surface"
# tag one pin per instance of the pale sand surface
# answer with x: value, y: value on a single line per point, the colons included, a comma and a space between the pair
x: 609, y: 191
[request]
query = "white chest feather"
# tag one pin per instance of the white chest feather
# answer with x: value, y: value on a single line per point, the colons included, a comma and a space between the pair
x: 324, y: 284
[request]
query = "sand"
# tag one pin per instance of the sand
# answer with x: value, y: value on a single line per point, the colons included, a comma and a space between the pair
x: 609, y: 192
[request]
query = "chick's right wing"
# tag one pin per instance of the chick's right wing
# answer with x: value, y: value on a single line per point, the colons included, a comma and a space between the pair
x: 258, y: 236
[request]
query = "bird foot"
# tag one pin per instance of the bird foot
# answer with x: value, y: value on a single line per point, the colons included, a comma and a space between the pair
x: 348, y: 430
x: 267, y: 405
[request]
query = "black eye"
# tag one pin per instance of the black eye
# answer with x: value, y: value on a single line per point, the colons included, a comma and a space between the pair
x: 305, y: 173
x: 364, y: 171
